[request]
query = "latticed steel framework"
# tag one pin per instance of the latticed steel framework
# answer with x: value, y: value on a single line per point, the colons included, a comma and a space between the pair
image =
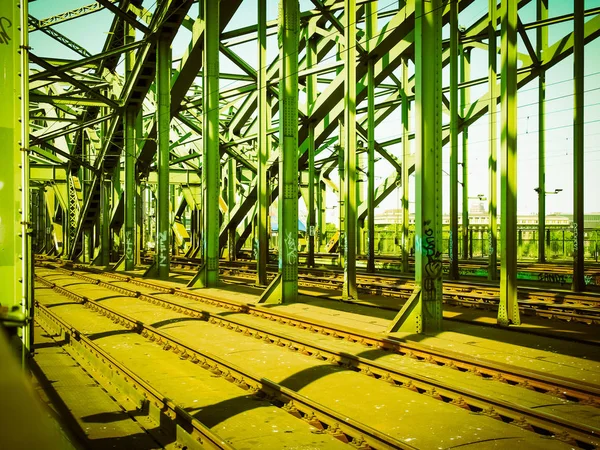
x: 121, y: 157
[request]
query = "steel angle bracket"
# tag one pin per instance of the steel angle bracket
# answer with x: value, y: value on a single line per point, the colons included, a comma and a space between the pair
x: 199, y: 280
x: 152, y: 271
x: 410, y: 317
x: 273, y: 294
x: 119, y: 265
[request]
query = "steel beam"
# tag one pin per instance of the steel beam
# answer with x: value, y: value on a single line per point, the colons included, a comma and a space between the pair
x: 130, y: 156
x: 311, y: 96
x: 208, y: 275
x: 541, y: 44
x: 231, y: 188
x: 508, y: 310
x: 163, y: 119
x: 284, y: 289
x: 422, y: 313
x: 371, y: 29
x: 350, y: 291
x: 16, y: 308
x: 465, y: 62
x: 493, y: 158
x: 405, y: 164
x: 578, y: 147
x: 454, y: 106
x: 263, y: 142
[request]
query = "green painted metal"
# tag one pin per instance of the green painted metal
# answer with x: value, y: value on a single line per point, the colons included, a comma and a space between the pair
x: 454, y: 106
x: 465, y: 99
x: 371, y: 29
x: 104, y: 225
x: 15, y: 241
x: 493, y: 159
x: 578, y: 147
x: 231, y: 200
x: 405, y: 163
x: 130, y: 156
x: 163, y: 223
x: 211, y: 168
x: 263, y: 142
x: 284, y: 289
x: 423, y: 312
x: 342, y: 194
x: 508, y: 310
x: 541, y: 44
x: 311, y: 96
x: 350, y: 290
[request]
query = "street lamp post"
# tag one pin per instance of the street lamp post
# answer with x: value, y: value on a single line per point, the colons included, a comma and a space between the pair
x: 542, y: 226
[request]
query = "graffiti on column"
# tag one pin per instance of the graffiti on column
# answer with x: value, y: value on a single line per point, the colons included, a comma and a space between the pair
x: 450, y: 246
x: 490, y: 243
x: 162, y: 248
x: 129, y: 245
x: 291, y: 249
x: 4, y: 37
x: 433, y: 266
x: 575, y: 232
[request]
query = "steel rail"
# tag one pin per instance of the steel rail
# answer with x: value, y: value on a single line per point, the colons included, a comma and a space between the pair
x: 198, y: 432
x: 340, y: 426
x: 527, y: 418
x: 580, y: 308
x: 567, y: 388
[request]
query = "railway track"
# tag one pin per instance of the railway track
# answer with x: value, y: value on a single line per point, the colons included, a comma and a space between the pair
x: 527, y: 418
x: 557, y: 304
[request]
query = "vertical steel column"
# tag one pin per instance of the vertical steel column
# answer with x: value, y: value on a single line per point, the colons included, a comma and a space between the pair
x: 342, y: 193
x: 263, y: 148
x: 311, y: 94
x: 140, y: 228
x: 321, y: 213
x: 130, y: 157
x: 405, y: 164
x: 508, y: 310
x: 15, y: 247
x: 289, y: 28
x: 211, y: 169
x: 578, y: 148
x: 542, y: 44
x: 493, y: 173
x: 422, y: 313
x: 465, y: 64
x: 231, y: 187
x: 453, y: 236
x: 105, y: 190
x: 371, y: 29
x: 350, y: 290
x: 163, y: 223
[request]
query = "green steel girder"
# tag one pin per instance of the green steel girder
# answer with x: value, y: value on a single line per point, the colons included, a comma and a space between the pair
x: 16, y: 303
x: 165, y: 22
x: 508, y: 308
x: 190, y: 65
x: 71, y: 45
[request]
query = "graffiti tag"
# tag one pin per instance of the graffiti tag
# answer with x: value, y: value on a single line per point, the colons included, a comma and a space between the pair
x: 291, y: 249
x: 4, y: 37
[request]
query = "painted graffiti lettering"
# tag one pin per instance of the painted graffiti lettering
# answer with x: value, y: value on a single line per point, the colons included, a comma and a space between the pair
x: 433, y: 266
x: 291, y: 249
x: 129, y: 246
x: 4, y: 37
x: 575, y: 232
x: 163, y: 251
x: 450, y: 246
x: 552, y: 278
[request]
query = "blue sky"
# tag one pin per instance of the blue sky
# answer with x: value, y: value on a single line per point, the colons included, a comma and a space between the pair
x: 91, y: 31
